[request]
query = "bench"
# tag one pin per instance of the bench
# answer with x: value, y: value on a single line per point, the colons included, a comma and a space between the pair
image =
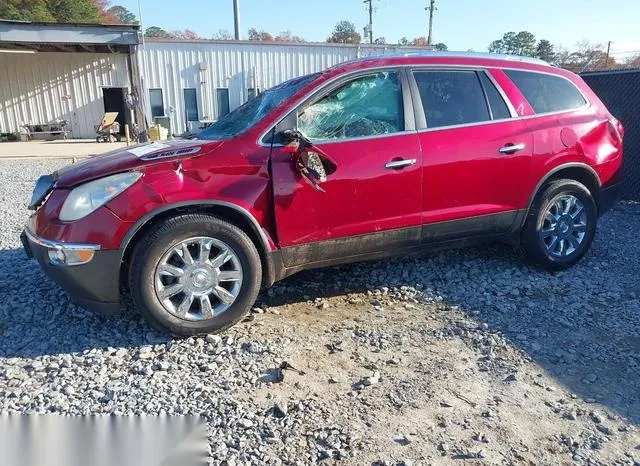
x: 57, y: 130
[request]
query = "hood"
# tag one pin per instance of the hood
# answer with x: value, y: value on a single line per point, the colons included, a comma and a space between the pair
x: 131, y: 158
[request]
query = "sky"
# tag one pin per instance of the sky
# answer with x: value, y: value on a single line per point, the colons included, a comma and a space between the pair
x: 461, y: 24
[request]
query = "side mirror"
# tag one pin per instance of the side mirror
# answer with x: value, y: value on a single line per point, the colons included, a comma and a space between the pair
x: 294, y: 139
x: 313, y: 164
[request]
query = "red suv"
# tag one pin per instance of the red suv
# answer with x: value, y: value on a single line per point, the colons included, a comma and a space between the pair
x: 368, y: 159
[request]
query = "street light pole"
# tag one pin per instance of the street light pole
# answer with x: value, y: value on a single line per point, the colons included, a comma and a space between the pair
x: 370, y: 2
x: 236, y: 18
x: 431, y: 9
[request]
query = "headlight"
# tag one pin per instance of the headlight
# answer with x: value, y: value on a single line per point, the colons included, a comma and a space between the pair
x: 86, y: 198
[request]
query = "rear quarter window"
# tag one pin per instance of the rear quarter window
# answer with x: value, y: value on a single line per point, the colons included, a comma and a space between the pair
x: 547, y: 93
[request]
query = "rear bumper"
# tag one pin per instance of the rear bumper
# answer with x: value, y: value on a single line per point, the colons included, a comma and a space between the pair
x: 94, y: 285
x: 609, y: 196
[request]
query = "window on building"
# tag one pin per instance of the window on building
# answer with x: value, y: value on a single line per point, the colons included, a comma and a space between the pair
x: 451, y: 98
x: 191, y: 104
x: 547, y: 93
x: 367, y: 106
x: 498, y: 106
x: 222, y: 97
x: 157, y: 102
x: 251, y: 93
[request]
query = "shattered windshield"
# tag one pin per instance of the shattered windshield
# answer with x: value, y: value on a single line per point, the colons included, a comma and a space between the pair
x: 247, y: 115
x: 367, y: 106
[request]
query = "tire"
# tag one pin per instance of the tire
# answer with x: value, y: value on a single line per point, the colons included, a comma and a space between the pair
x: 541, y: 221
x: 160, y: 243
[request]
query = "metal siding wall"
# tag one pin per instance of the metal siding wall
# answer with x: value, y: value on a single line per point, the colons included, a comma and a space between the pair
x: 174, y: 66
x: 32, y: 87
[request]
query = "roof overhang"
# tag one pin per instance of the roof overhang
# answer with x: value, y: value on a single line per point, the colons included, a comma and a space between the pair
x: 54, y: 37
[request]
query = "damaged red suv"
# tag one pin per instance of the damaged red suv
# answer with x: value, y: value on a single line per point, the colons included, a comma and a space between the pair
x: 370, y: 158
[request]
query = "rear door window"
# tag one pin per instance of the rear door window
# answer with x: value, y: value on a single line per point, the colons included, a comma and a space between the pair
x: 451, y: 98
x: 369, y: 105
x: 547, y: 93
x: 499, y: 108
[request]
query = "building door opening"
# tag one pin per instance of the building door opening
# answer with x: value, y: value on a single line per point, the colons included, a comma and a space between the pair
x: 114, y: 101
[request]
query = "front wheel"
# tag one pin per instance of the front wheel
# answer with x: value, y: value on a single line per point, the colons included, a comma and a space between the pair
x: 561, y: 225
x: 195, y: 274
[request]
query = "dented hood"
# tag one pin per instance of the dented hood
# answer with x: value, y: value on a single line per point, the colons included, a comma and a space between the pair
x: 131, y: 158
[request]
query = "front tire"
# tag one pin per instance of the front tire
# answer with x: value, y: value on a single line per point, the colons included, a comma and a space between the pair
x: 560, y: 226
x: 194, y: 274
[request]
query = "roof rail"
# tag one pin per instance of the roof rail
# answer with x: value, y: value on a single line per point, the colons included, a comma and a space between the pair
x: 485, y: 55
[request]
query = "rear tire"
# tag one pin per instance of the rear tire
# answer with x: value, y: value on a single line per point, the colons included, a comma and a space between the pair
x: 179, y: 267
x: 560, y: 226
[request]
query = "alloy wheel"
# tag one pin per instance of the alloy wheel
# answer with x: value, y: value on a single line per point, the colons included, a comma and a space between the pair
x: 198, y: 278
x: 564, y: 226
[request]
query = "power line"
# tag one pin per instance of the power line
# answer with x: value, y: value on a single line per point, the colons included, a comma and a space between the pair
x: 624, y: 51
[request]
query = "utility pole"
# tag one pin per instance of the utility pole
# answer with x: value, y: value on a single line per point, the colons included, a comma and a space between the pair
x: 431, y: 8
x: 370, y: 2
x: 236, y: 18
x: 606, y: 62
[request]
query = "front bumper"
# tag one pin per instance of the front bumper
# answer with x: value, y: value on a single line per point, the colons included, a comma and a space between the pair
x: 94, y: 285
x: 609, y: 196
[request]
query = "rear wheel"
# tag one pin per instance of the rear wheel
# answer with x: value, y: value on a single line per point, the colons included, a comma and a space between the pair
x: 195, y: 274
x: 560, y: 226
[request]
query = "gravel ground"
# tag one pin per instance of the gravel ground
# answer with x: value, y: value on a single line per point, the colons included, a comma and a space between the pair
x: 461, y: 356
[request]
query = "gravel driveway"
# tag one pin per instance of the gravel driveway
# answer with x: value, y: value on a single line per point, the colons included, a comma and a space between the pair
x: 460, y: 356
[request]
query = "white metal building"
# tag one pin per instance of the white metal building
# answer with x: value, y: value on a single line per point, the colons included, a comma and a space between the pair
x: 195, y: 81
x: 51, y: 72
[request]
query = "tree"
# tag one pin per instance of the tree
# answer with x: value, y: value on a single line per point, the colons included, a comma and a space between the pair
x: 77, y: 11
x: 122, y: 15
x: 403, y: 41
x: 633, y: 61
x: 586, y: 57
x: 345, y: 33
x: 157, y: 32
x: 26, y: 10
x: 55, y: 11
x: 441, y: 46
x: 590, y: 57
x: 187, y: 34
x: 254, y: 34
x: 544, y: 51
x: 286, y: 36
x: 521, y: 43
x: 420, y: 41
x: 380, y: 40
x: 223, y: 34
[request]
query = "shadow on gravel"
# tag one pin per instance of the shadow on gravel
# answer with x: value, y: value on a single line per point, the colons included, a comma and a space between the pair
x: 37, y: 318
x: 581, y: 325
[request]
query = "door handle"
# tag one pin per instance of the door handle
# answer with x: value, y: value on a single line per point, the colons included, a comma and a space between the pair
x: 397, y: 164
x: 511, y: 148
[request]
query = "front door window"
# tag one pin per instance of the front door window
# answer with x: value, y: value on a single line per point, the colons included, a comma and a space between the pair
x: 370, y: 105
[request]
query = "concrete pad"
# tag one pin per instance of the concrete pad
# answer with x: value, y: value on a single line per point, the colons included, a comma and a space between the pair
x: 73, y: 148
